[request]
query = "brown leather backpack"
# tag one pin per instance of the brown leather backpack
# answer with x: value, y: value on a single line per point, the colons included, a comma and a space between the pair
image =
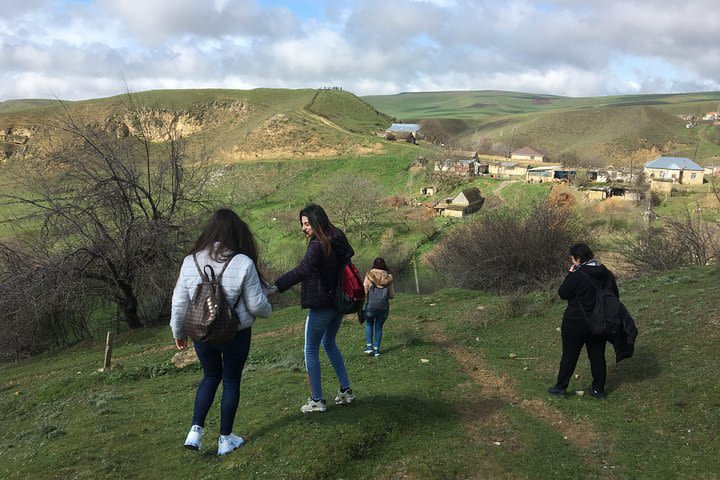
x: 210, y: 318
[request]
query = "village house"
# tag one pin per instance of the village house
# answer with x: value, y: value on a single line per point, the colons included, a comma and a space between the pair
x: 427, y: 191
x: 620, y: 174
x: 598, y: 176
x: 464, y: 203
x: 549, y: 173
x: 508, y: 169
x: 462, y: 167
x: 526, y: 154
x: 676, y: 169
x: 713, y: 170
x: 409, y: 132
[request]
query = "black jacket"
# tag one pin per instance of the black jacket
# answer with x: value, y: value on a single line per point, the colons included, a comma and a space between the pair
x: 318, y: 272
x: 579, y: 290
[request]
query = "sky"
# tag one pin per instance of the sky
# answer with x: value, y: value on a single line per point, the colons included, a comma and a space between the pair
x: 79, y: 49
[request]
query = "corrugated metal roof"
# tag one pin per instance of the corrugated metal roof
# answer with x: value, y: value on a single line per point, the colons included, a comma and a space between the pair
x: 404, y: 127
x: 674, y: 163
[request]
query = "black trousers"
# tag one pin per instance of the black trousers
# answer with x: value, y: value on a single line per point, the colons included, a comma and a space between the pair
x: 575, y: 334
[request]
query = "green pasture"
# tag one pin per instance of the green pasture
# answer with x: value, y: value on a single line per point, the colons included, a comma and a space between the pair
x: 420, y: 412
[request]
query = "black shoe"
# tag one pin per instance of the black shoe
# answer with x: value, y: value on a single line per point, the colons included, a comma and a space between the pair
x: 594, y: 393
x: 555, y: 390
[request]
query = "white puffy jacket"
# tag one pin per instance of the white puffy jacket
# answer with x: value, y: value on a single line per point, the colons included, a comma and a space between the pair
x: 240, y: 278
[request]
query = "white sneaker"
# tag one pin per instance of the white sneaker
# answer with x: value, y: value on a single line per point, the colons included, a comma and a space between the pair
x: 313, y: 406
x: 194, y: 438
x: 228, y: 443
x: 368, y: 350
x: 344, y: 398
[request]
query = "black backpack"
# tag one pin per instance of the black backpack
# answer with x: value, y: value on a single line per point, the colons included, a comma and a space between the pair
x: 605, y: 318
x: 210, y: 318
x: 377, y: 300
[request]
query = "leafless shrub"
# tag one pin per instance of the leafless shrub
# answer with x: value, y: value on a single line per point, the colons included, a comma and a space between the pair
x: 679, y: 242
x: 508, y: 251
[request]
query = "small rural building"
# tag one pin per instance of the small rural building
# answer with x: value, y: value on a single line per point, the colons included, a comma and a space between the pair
x: 462, y: 167
x: 427, y: 191
x: 508, y: 169
x: 526, y: 154
x: 464, y: 203
x: 548, y: 173
x: 597, y: 193
x: 676, y: 169
x: 713, y: 170
x: 628, y: 194
x: 599, y: 176
x: 620, y: 174
x: 404, y: 131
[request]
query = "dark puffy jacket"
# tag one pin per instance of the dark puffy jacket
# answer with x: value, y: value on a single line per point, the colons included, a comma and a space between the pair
x: 578, y: 290
x: 318, y: 272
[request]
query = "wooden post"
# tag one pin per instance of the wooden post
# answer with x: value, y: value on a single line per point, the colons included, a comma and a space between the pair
x: 417, y: 283
x: 108, y: 351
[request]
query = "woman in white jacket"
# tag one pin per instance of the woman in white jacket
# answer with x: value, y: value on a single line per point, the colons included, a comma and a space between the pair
x: 226, y: 238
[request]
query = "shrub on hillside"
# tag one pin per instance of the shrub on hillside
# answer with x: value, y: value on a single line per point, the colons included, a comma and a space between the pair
x: 508, y: 250
x: 676, y: 243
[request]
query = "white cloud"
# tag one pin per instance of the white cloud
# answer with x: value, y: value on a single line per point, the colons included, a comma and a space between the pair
x: 85, y: 49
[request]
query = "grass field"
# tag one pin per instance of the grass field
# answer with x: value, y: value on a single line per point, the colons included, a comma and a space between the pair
x: 445, y: 400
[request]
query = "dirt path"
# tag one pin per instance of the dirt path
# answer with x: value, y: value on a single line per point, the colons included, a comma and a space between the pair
x: 484, y: 418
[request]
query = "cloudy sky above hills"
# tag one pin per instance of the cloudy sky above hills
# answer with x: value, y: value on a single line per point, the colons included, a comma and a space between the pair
x: 76, y: 49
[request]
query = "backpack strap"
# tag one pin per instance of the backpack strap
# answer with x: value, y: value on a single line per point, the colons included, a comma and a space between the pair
x: 227, y: 262
x: 203, y: 274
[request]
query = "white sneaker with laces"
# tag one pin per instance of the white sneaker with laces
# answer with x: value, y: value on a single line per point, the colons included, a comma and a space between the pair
x: 228, y: 443
x: 368, y: 350
x: 344, y: 398
x: 313, y: 406
x: 194, y: 438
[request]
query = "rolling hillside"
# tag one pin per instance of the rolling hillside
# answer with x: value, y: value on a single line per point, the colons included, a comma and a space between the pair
x: 459, y: 392
x: 614, y: 129
x: 235, y: 124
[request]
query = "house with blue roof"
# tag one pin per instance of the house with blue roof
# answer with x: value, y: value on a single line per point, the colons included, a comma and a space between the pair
x: 675, y: 169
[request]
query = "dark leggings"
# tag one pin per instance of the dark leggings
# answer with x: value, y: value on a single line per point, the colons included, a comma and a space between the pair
x: 221, y: 362
x: 574, y: 336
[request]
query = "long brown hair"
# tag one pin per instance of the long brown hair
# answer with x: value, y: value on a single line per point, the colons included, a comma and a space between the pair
x: 225, y: 235
x: 320, y: 223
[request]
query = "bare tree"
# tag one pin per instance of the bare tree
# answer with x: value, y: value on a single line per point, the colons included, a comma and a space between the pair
x: 354, y: 203
x: 112, y: 215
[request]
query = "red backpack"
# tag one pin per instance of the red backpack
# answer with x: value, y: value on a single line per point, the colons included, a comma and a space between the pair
x: 350, y: 292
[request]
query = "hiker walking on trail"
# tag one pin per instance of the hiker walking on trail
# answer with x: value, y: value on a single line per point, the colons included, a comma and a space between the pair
x: 327, y: 253
x: 579, y: 289
x: 379, y: 290
x: 228, y: 247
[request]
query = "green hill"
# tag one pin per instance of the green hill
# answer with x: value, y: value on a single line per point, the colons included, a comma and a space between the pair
x: 235, y: 124
x: 616, y: 129
x: 445, y: 400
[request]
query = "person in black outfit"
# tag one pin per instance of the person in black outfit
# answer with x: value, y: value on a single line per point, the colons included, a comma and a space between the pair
x: 579, y: 289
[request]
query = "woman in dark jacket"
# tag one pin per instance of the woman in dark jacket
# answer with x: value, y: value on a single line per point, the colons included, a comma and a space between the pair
x: 328, y: 251
x: 579, y: 289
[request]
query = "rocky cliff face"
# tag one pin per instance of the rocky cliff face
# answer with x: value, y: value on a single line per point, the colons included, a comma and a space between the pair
x: 20, y: 140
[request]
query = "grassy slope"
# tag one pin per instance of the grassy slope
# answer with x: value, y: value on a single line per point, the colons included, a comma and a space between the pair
x: 613, y: 127
x: 411, y: 419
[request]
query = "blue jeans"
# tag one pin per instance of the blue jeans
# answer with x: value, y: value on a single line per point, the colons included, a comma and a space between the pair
x: 321, y: 326
x: 221, y: 362
x: 374, y: 321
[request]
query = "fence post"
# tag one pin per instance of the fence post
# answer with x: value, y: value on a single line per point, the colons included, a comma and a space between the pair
x: 417, y: 283
x: 108, y: 351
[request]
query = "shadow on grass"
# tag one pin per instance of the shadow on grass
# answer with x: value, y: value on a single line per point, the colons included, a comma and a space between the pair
x: 642, y: 366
